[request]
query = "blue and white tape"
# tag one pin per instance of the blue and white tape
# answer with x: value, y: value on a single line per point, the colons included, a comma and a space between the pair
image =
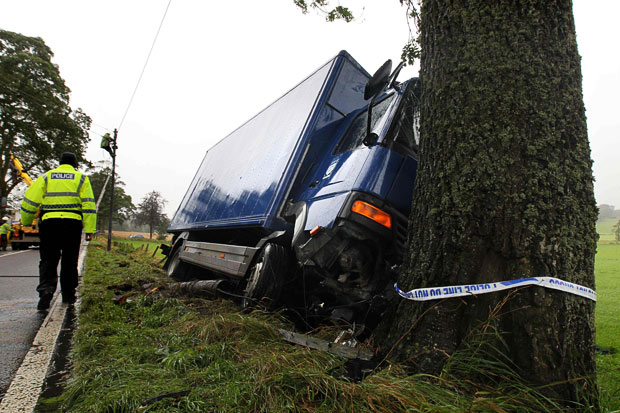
x: 436, y: 293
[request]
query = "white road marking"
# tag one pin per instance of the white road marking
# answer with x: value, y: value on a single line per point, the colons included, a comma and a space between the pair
x: 23, y: 393
x: 13, y: 253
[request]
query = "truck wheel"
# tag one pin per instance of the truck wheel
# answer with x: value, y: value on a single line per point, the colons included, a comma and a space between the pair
x: 266, y: 276
x: 177, y: 269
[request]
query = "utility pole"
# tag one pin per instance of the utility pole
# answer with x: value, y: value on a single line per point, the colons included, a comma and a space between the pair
x: 110, y: 146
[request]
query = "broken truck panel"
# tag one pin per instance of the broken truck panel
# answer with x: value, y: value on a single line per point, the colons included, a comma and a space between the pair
x: 304, y: 183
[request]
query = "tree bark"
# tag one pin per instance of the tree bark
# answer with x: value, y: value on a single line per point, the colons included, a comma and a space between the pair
x: 504, y: 190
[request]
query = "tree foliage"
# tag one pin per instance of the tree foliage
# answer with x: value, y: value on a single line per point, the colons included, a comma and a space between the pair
x: 162, y: 228
x: 124, y: 209
x: 151, y: 211
x: 36, y: 122
x: 411, y: 49
x: 336, y: 13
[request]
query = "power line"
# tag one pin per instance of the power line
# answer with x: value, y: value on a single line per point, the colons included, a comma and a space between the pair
x: 137, y: 84
x: 92, y: 131
x: 99, y: 126
x: 145, y: 64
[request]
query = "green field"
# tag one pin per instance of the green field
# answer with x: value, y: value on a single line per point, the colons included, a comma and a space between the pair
x: 608, y: 322
x: 147, y: 245
x: 605, y: 230
x: 607, y: 270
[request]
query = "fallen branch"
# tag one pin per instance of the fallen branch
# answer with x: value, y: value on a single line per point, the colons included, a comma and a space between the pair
x: 341, y: 350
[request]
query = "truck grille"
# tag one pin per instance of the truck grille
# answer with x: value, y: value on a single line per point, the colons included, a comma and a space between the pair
x: 400, y: 224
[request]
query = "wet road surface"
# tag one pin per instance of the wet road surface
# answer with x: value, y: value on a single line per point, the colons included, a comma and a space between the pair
x: 19, y: 319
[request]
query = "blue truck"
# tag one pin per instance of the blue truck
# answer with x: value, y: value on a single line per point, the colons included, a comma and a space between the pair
x: 306, y: 204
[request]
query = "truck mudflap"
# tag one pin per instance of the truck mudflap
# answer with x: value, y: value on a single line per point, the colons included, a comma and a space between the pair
x: 165, y: 249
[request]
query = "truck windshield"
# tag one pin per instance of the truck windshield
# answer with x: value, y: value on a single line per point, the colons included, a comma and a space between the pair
x: 357, y: 131
x: 404, y: 133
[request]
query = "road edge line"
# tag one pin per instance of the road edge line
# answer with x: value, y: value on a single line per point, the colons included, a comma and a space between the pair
x: 27, y: 384
x: 8, y: 254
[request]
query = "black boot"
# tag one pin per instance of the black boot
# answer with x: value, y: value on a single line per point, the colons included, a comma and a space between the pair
x: 44, y: 302
x: 68, y: 297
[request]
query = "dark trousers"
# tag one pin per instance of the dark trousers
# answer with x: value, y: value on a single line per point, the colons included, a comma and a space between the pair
x: 60, y: 237
x: 3, y: 241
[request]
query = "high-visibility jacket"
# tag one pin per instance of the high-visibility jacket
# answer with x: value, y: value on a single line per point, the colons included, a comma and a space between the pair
x: 61, y: 193
x: 5, y: 228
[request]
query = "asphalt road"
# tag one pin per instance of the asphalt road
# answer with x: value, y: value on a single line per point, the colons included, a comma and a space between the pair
x: 19, y: 319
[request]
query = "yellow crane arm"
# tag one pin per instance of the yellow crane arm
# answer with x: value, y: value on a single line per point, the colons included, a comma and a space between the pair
x: 18, y: 168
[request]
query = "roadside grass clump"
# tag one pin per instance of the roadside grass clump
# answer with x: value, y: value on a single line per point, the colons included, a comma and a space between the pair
x: 138, y: 347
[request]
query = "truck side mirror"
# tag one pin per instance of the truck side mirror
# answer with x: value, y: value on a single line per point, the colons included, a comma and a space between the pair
x: 378, y: 81
x: 373, y: 88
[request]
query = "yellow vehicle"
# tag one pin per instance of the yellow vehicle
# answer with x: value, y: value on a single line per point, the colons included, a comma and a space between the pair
x: 22, y: 236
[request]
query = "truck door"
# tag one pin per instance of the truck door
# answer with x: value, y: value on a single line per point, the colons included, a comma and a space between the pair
x: 335, y: 176
x: 403, y: 137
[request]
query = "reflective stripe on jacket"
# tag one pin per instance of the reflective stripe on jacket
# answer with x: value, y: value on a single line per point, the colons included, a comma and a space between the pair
x: 61, y: 193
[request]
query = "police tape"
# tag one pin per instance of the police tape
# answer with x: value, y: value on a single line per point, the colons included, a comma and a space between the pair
x: 436, y: 293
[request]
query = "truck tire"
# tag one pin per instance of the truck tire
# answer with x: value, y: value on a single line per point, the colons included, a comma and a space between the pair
x: 177, y: 269
x: 266, y: 277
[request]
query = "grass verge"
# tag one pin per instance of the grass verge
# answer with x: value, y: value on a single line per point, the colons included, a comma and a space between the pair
x: 138, y: 348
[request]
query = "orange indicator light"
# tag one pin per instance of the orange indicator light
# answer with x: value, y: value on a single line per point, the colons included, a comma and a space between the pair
x: 372, y: 212
x: 315, y: 230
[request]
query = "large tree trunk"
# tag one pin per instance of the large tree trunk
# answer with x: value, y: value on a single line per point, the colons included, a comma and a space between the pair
x: 504, y: 189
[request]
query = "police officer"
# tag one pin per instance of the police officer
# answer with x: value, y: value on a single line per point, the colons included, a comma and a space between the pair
x: 67, y: 204
x: 5, y: 229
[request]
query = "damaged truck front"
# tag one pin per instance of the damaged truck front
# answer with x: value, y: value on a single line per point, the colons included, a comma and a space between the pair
x: 306, y: 204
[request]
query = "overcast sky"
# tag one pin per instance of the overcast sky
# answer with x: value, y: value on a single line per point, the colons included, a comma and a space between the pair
x: 216, y: 64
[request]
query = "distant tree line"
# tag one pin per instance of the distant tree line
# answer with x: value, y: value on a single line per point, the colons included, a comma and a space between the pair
x: 606, y: 211
x: 148, y: 213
